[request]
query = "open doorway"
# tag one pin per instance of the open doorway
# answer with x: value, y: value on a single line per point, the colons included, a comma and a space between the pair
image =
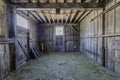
x: 59, y: 38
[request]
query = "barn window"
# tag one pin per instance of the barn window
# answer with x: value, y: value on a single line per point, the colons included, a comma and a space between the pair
x: 59, y: 30
x: 21, y: 21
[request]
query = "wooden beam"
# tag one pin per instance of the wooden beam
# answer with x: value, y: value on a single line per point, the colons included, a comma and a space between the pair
x: 82, y: 1
x: 38, y: 1
x: 39, y: 16
x: 52, y: 20
x: 57, y: 18
x: 104, y: 1
x: 75, y: 16
x: 72, y: 15
x: 30, y: 1
x: 48, y: 1
x: 81, y: 16
x: 46, y: 20
x: 11, y: 20
x: 105, y: 11
x: 7, y: 40
x: 58, y: 5
x: 62, y: 18
x: 93, y: 1
x: 68, y: 20
x: 34, y: 16
x: 59, y: 24
x: 47, y: 17
x: 73, y: 27
x: 65, y: 1
x: 67, y: 16
x: 43, y: 17
x: 84, y: 16
x: 115, y: 59
x: 74, y: 1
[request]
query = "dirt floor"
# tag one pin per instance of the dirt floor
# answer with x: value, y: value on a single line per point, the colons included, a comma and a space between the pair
x: 61, y: 66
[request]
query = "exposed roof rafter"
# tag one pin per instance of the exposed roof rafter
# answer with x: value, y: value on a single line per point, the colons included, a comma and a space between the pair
x: 39, y: 16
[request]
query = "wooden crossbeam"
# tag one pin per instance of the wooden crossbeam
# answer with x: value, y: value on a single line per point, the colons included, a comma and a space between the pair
x: 58, y: 5
x: 75, y: 28
x: 7, y: 40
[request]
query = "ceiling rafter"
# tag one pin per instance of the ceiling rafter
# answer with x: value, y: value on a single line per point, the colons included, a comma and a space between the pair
x: 87, y: 12
x: 35, y: 17
x: 67, y: 16
x: 84, y: 16
x: 57, y: 19
x: 63, y: 16
x: 81, y: 16
x: 52, y: 20
x: 39, y: 16
x: 75, y: 16
x: 70, y: 16
x: 42, y: 16
x: 45, y: 16
x: 73, y: 11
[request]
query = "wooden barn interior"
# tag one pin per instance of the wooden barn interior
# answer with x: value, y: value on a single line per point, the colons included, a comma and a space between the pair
x: 59, y: 39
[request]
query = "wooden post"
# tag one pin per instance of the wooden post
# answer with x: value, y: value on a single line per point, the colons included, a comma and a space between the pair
x: 103, y: 40
x: 12, y: 35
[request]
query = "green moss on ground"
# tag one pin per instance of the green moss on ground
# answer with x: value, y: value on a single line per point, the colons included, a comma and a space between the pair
x: 61, y: 66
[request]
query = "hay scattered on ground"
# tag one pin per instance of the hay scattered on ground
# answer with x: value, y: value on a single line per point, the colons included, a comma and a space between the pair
x: 61, y: 66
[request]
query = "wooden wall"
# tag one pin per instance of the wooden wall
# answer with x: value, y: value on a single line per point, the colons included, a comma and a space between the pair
x: 72, y: 38
x: 46, y: 35
x: 89, y: 43
x: 4, y: 48
x: 12, y: 55
x: 99, y: 37
x: 112, y: 46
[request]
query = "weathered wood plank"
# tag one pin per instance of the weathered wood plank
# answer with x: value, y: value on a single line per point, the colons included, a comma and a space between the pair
x: 59, y: 5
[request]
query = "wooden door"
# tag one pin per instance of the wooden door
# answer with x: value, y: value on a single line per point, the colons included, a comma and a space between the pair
x: 22, y: 41
x: 59, y: 43
x: 22, y: 46
x: 59, y: 39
